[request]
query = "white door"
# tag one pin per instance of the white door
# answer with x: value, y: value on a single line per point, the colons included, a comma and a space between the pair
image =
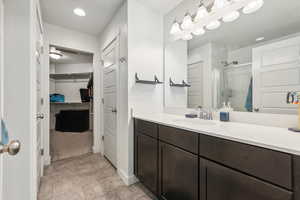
x: 14, y: 146
x: 110, y: 64
x: 276, y: 71
x: 39, y: 101
x: 1, y: 90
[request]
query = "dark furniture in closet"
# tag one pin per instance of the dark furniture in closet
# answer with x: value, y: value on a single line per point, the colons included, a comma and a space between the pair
x: 72, y: 121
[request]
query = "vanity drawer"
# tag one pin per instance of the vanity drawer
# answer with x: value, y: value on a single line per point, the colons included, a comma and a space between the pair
x: 181, y: 138
x: 271, y: 166
x: 147, y: 128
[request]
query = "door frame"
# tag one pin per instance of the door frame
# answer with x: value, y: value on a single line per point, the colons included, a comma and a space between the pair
x: 115, y: 39
x: 42, y: 57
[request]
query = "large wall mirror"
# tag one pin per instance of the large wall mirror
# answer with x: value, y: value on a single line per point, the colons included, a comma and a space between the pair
x: 239, y: 51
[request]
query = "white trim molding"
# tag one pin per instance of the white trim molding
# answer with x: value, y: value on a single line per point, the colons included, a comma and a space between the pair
x: 128, y: 180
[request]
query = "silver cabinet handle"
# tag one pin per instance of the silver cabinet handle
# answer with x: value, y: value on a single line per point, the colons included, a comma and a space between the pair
x: 12, y: 148
x: 40, y: 116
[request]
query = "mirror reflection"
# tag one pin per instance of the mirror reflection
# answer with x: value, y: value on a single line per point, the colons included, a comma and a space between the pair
x: 222, y: 51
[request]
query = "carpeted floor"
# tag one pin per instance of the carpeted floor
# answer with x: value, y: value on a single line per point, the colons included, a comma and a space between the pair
x: 67, y: 145
x: 87, y: 177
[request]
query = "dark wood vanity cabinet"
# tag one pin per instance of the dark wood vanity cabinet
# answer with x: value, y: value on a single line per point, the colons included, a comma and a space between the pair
x: 218, y: 182
x: 146, y: 157
x: 176, y: 164
x: 178, y: 173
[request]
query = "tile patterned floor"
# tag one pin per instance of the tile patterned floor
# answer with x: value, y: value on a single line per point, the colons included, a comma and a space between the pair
x: 88, y: 177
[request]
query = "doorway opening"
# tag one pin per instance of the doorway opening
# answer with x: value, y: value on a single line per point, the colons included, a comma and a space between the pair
x: 71, y: 103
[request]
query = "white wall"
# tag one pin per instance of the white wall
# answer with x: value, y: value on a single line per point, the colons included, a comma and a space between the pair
x: 143, y: 50
x: 74, y: 68
x: 176, y: 60
x: 243, y: 55
x: 141, y: 44
x: 118, y: 28
x: 62, y: 37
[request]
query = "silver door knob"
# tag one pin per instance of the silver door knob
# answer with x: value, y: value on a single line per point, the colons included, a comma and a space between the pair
x: 40, y: 116
x: 256, y: 109
x: 12, y: 148
x: 114, y: 110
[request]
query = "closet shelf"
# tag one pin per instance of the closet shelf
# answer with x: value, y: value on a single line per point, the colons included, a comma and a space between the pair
x: 68, y: 103
x: 183, y: 84
x: 85, y: 75
x: 154, y: 82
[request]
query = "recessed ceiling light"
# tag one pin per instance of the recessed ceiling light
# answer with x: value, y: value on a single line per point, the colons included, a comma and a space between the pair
x: 260, y: 39
x: 79, y: 12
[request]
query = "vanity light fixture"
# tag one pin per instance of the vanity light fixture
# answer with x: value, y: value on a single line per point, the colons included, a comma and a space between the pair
x: 213, y: 25
x: 220, y: 10
x: 187, y: 36
x: 234, y: 15
x: 79, y: 12
x: 187, y: 23
x: 198, y: 31
x: 253, y: 6
x: 201, y: 13
x: 55, y: 54
x: 175, y: 30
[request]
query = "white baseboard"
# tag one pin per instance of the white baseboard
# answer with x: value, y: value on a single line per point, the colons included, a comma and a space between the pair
x: 128, y: 180
x: 96, y: 149
x: 47, y: 160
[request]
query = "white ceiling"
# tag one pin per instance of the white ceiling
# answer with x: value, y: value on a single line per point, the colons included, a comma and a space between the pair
x: 98, y: 13
x: 277, y: 18
x: 162, y: 6
x: 72, y: 57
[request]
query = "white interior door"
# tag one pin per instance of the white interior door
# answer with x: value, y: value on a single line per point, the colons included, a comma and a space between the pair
x: 5, y: 147
x: 110, y: 64
x: 39, y: 96
x: 276, y: 71
x: 195, y: 79
x: 1, y: 90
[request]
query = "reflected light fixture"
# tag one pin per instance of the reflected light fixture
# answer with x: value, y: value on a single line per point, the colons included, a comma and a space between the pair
x: 213, y: 25
x: 201, y: 13
x: 55, y: 54
x: 253, y: 6
x: 175, y: 30
x: 198, y: 31
x: 234, y: 15
x: 79, y: 12
x: 219, y: 4
x: 187, y: 36
x: 187, y: 23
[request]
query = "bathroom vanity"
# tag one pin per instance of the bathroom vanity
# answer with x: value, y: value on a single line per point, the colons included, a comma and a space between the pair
x: 191, y: 159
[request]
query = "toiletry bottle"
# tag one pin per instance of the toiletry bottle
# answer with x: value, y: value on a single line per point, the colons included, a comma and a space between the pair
x: 224, y: 113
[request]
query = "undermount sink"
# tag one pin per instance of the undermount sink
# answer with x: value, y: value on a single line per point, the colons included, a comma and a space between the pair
x: 195, y: 121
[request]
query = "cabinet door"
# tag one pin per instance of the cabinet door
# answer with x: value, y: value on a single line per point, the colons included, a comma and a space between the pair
x: 146, y: 161
x: 178, y: 173
x: 221, y: 183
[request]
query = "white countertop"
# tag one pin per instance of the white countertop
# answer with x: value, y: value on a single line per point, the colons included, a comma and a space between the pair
x: 279, y: 139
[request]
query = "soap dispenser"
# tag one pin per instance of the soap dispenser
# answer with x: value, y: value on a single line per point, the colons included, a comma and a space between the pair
x: 224, y: 113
